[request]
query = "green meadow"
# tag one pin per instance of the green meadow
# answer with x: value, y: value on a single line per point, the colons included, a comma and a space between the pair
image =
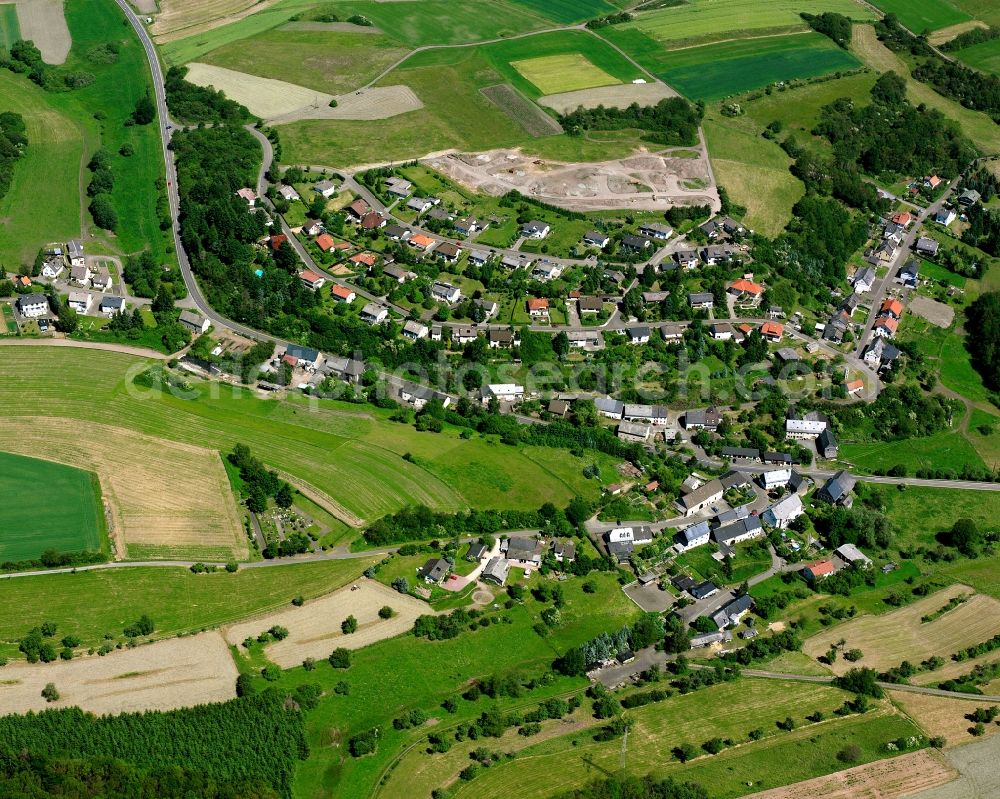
x: 47, y: 506
x: 10, y: 30
x: 923, y: 15
x: 985, y: 56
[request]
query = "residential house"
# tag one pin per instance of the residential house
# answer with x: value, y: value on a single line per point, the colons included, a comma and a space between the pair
x: 702, y: 300
x: 775, y: 478
x: 111, y: 305
x: 396, y: 232
x: 74, y: 251
x: 704, y: 590
x: 932, y: 182
x: 446, y: 292
x: 535, y: 230
x: 787, y: 355
x: 374, y: 314
x: 546, y: 271
x: 418, y: 396
x: 398, y: 274
x: 945, y: 216
x: 909, y: 274
x: 894, y: 233
x: 635, y: 243
x: 523, y: 551
x: 365, y: 259
x: 509, y: 393
x: 102, y: 280
x: 826, y: 442
x: 307, y: 357
x: 589, y: 305
x: 398, y: 186
x: 414, y: 330
x: 437, y: 333
x: 501, y: 339
x: 477, y: 551
x: 479, y: 257
x: 707, y: 419
x: 738, y: 531
x: 80, y: 275
x: 53, y: 266
x: 651, y: 297
x: 464, y: 334
x: 325, y: 242
x: 325, y: 188
x: 495, y: 571
x: 885, y: 327
x: 634, y: 432
x: 741, y: 453
x: 196, y: 323
x: 373, y: 220
x: 488, y: 308
x: 732, y: 227
x: 350, y: 370
x: 435, y: 570
x: 249, y: 196
x: 420, y: 242
x: 711, y: 228
x: 687, y: 259
x: 288, y: 193
x: 517, y: 261
x: 558, y: 407
x: 721, y: 331
x: 880, y: 354
x: 275, y: 240
x: 343, y: 294
x: 470, y: 225
x: 694, y: 535
x: 885, y: 251
x: 564, y: 550
x: 611, y: 408
x: 638, y: 335
x: 969, y: 197
x: 837, y: 490
x: 673, y: 332
x: 713, y: 255
x: 891, y: 307
x: 656, y: 231
x: 707, y: 639
x: 836, y: 327
x: 701, y: 498
x: 775, y: 312
x: 440, y: 214
x: 31, y: 306
x: 538, y: 307
x: 637, y: 535
x: 772, y: 331
x: 313, y: 281
x: 805, y: 427
x: 581, y: 339
x: 593, y: 238
x: 926, y: 246
x: 420, y: 204
x: 748, y: 293
x: 733, y: 612
x: 783, y: 512
x: 818, y: 569
x: 651, y: 414
x: 850, y: 554
x: 448, y: 251
x: 863, y: 280
x: 80, y: 301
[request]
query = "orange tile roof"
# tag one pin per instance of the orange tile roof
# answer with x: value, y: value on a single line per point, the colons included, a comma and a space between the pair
x: 855, y: 385
x: 325, y: 242
x: 772, y: 329
x: 536, y: 304
x: 343, y: 292
x: 309, y: 276
x: 889, y: 323
x: 277, y: 240
x: 821, y: 568
x: 893, y: 306
x: 365, y: 258
x: 420, y: 240
x: 747, y: 286
x: 902, y: 218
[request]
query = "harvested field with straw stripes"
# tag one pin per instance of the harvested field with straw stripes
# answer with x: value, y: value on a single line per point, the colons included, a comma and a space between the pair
x: 521, y: 110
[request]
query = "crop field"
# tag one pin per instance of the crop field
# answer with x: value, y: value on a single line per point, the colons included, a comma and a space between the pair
x: 942, y: 715
x: 264, y: 97
x: 163, y: 676
x: 923, y: 15
x: 49, y: 506
x: 353, y: 454
x: 568, y: 11
x: 891, y: 638
x: 985, y: 56
x: 986, y: 10
x: 562, y: 73
x: 521, y: 110
x: 893, y: 778
x: 329, y: 61
x: 177, y: 600
x: 167, y: 499
x: 10, y: 32
x: 711, y: 72
x: 180, y: 18
x: 314, y: 629
x: 706, y: 20
x: 55, y: 148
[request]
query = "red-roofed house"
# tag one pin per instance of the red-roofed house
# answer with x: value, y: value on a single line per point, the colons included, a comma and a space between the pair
x: 249, y: 195
x: 420, y: 241
x: 311, y: 280
x: 891, y: 307
x: 364, y: 259
x: 538, y: 306
x: 744, y: 286
x: 325, y: 242
x: 885, y: 327
x: 772, y: 331
x: 818, y: 570
x: 902, y: 218
x: 855, y: 386
x: 358, y: 209
x: 291, y: 360
x: 932, y: 182
x: 373, y: 221
x: 343, y: 294
x: 277, y: 240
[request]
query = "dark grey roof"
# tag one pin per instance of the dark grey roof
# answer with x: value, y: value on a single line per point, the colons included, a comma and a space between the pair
x: 724, y: 534
x: 837, y: 487
x: 740, y: 452
x: 435, y: 569
x: 694, y: 531
x: 703, y: 590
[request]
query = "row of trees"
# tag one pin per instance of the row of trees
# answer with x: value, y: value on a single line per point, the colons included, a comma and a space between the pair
x: 13, y: 142
x: 672, y: 121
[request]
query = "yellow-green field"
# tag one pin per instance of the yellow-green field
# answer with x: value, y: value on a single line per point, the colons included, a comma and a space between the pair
x: 562, y: 73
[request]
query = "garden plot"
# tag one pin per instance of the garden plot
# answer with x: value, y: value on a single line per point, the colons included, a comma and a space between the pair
x: 891, y: 638
x: 178, y: 672
x: 620, y: 96
x: 43, y: 22
x: 647, y: 181
x: 167, y: 499
x: 314, y: 628
x: 884, y: 779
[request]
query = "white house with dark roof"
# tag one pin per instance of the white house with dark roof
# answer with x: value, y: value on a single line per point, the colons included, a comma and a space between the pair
x: 31, y: 306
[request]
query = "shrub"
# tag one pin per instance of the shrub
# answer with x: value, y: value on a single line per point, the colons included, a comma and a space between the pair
x: 340, y: 658
x: 349, y: 625
x: 50, y: 693
x: 385, y: 612
x: 849, y: 754
x: 271, y: 672
x: 364, y: 743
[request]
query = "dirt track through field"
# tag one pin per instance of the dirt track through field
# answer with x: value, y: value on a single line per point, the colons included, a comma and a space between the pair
x: 162, y: 494
x: 314, y: 629
x: 890, y: 638
x: 43, y: 22
x: 178, y: 672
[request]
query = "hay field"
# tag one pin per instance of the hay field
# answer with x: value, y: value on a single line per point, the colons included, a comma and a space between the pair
x: 566, y: 72
x: 167, y: 499
x: 179, y: 18
x: 955, y: 669
x: 619, y: 96
x: 891, y: 638
x: 179, y: 672
x: 942, y: 715
x: 521, y: 110
x: 314, y: 628
x: 894, y: 778
x: 43, y: 22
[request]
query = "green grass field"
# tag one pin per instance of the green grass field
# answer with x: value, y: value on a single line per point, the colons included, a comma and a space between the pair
x: 986, y: 10
x: 562, y: 73
x: 177, y: 600
x: 920, y: 513
x: 703, y: 20
x: 939, y: 273
x: 948, y: 450
x: 568, y: 11
x: 985, y: 56
x: 10, y: 30
x: 923, y: 15
x: 711, y: 72
x: 329, y: 61
x: 47, y: 506
x: 350, y: 452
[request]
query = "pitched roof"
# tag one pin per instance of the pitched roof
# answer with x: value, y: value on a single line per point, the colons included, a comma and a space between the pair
x: 343, y: 292
x: 324, y: 241
x: 745, y: 286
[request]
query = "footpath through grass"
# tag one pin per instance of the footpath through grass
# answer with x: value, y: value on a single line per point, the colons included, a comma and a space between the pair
x: 47, y: 506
